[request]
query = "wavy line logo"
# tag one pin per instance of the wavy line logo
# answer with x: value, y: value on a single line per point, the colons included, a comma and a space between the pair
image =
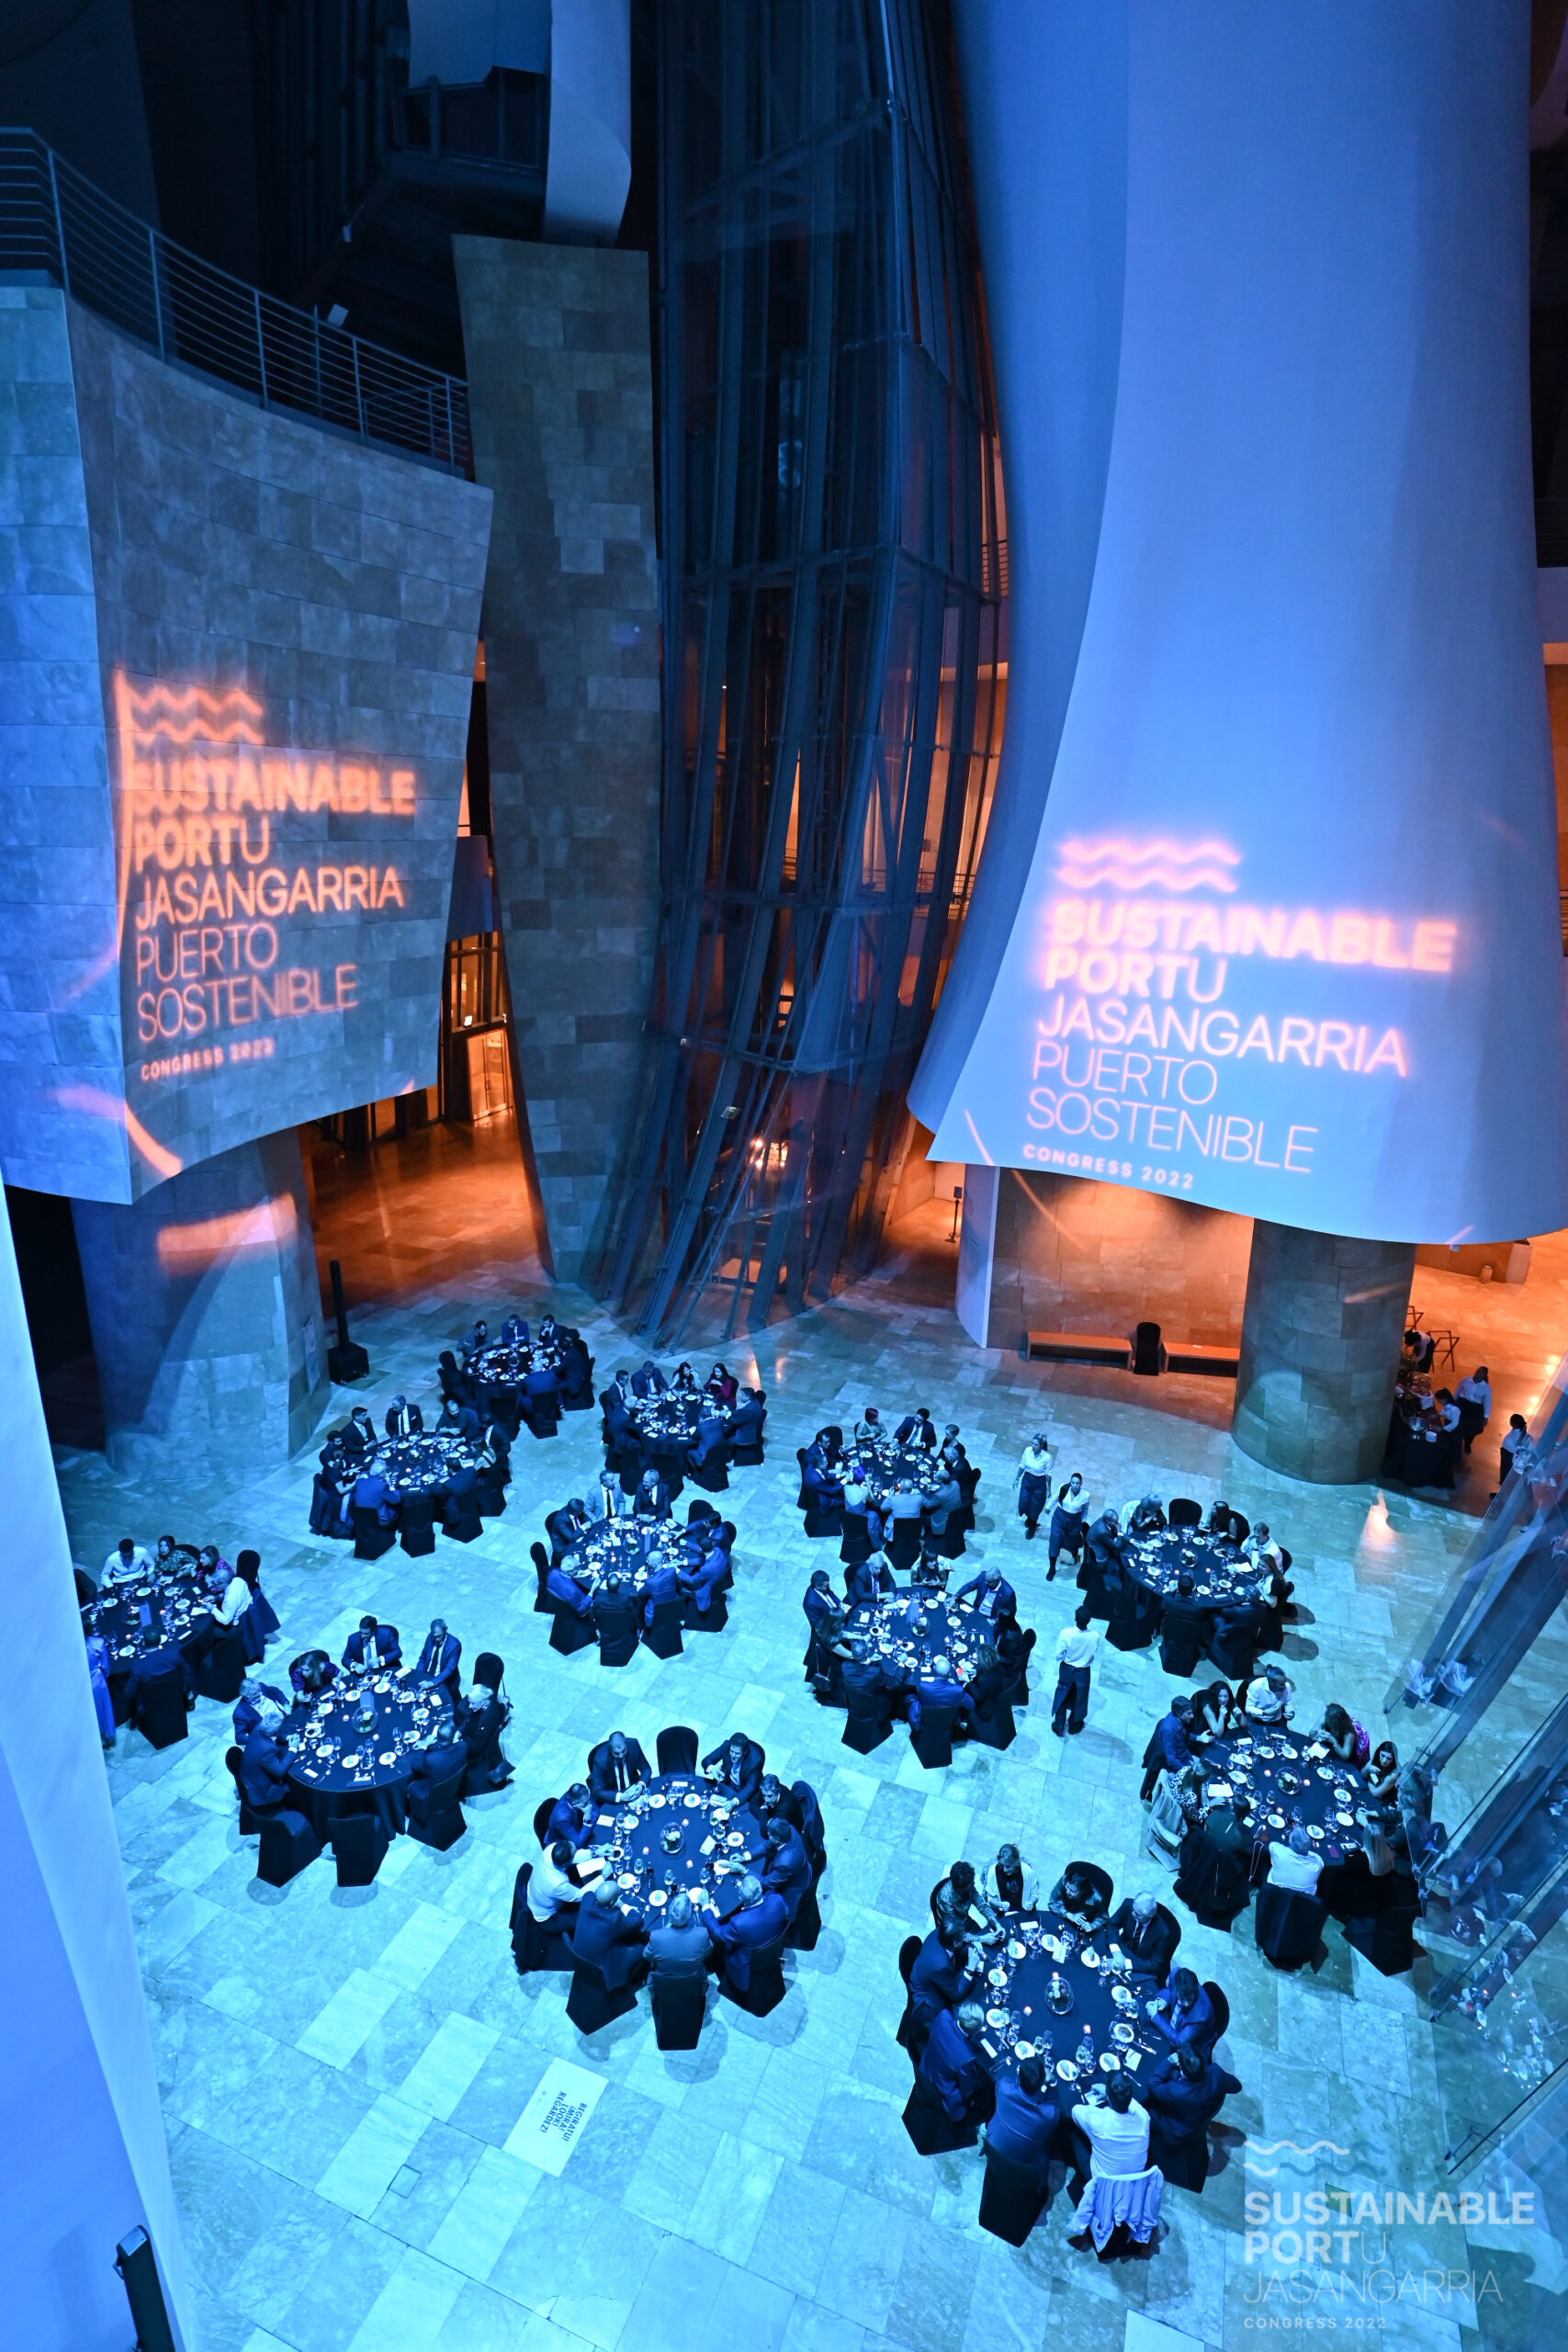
x: 1255, y: 2148
x: 1147, y: 866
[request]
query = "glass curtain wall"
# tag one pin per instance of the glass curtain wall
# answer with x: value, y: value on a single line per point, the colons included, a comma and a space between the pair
x: 833, y: 559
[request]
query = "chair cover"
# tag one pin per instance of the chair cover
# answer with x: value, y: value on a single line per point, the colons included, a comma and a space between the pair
x: 1128, y: 2200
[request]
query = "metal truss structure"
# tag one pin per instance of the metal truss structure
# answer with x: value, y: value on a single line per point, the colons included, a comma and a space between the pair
x: 834, y: 655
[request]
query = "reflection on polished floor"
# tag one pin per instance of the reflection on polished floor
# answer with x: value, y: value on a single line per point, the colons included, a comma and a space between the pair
x: 409, y: 1210
x: 341, y: 2070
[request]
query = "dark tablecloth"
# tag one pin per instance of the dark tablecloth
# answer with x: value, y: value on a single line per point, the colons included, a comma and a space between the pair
x: 325, y: 1786
x: 1157, y: 1561
x: 1325, y: 1790
x: 638, y: 1829
x: 629, y: 1549
x: 1097, y: 1998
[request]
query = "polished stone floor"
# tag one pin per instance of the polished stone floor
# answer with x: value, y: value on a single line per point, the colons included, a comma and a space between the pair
x: 343, y: 2071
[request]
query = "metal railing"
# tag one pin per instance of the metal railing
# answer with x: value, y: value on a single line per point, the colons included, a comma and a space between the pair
x: 54, y: 222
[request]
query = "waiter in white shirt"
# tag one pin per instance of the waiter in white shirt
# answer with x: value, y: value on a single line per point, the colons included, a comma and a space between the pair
x: 1075, y: 1648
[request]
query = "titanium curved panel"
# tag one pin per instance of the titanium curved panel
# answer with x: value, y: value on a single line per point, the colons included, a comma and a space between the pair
x: 1289, y: 942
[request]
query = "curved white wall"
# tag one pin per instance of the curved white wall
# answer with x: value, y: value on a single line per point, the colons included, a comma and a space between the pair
x: 1288, y: 943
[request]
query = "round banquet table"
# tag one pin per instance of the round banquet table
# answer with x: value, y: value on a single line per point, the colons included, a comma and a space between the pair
x: 1157, y: 1561
x: 334, y: 1768
x: 506, y: 1364
x: 178, y: 1597
x: 421, y: 1464
x: 719, y: 1842
x: 1022, y: 2020
x: 628, y: 1548
x: 885, y: 1465
x: 1329, y: 1798
x: 948, y: 1632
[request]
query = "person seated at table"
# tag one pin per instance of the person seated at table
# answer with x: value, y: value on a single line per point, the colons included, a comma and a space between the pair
x: 606, y: 1938
x: 760, y: 1919
x: 127, y: 1559
x: 1010, y: 1884
x: 863, y: 1579
x: 1024, y: 2122
x: 1183, y: 2012
x: 942, y: 1976
x: 263, y: 1770
x: 359, y: 1432
x: 157, y: 1655
x: 1104, y: 1540
x: 994, y: 1597
x: 1382, y: 1772
x: 403, y: 1419
x: 1294, y: 1864
x: 540, y: 1389
x: 1109, y: 2133
x: 987, y: 1683
x: 736, y: 1767
x: 1218, y: 1523
x: 374, y: 1650
x: 1032, y: 1481
x: 553, y: 1892
x: 952, y: 1451
x: 684, y: 1380
x: 616, y: 1766
x: 1147, y: 1934
x: 938, y: 1688
x: 1183, y: 2094
x: 572, y: 1819
x: 652, y: 1497
x: 514, y: 1332
x: 1082, y: 1902
x: 1169, y: 1748
x: 259, y: 1702
x: 670, y: 1580
x: 1343, y: 1735
x: 786, y: 1870
x: 1147, y: 1517
x: 711, y: 1575
x: 943, y: 1502
x: 916, y: 1433
x: 441, y: 1754
x: 606, y: 1500
x: 565, y: 1526
x: 650, y: 1380
x: 958, y: 1905
x: 824, y: 1488
x: 99, y: 1663
x: 951, y: 2063
x: 904, y: 1503
x: 721, y: 1385
x: 861, y: 1672
x: 478, y: 1340
x: 371, y: 1492
x: 679, y: 1946
x: 1269, y: 1696
x: 824, y: 1616
x: 1218, y: 1711
x: 1186, y: 1625
x: 166, y: 1556
x: 563, y: 1590
x: 438, y: 1658
x: 711, y: 1433
x: 1215, y: 1874
x: 312, y: 1673
x: 233, y: 1597
x: 746, y: 1420
x: 868, y: 1429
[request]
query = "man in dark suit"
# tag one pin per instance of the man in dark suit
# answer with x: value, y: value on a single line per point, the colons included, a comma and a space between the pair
x: 704, y: 1583
x: 443, y: 1754
x: 1183, y: 2094
x: 826, y: 1619
x: 158, y: 1654
x: 254, y: 1702
x: 619, y: 1428
x: 650, y: 1380
x: 787, y: 1868
x: 439, y: 1658
x: 994, y: 1597
x: 1240, y: 1630
x: 736, y: 1767
x: 371, y: 1492
x: 937, y: 1689
x: 573, y: 1818
x: 482, y: 1718
x: 263, y: 1770
x: 375, y: 1649
x: 746, y: 1422
x: 616, y: 1766
x: 541, y: 1392
x: 1148, y: 1936
x: 712, y: 1432
x: 951, y: 2061
x: 939, y: 1980
x: 679, y: 1946
x: 462, y: 1483
x: 403, y: 1419
x: 1169, y: 1749
x: 652, y: 1497
x: 1183, y: 2012
x: 563, y: 1591
x: 607, y: 1938
x: 760, y: 1919
x: 1026, y: 2118
x: 1186, y: 1625
x: 514, y: 1332
x: 917, y: 1431
x: 866, y: 1675
x: 617, y: 1615
x: 665, y: 1583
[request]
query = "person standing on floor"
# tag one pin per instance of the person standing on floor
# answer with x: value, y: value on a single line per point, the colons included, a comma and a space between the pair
x: 1032, y: 1479
x: 1068, y: 1521
x: 1076, y: 1646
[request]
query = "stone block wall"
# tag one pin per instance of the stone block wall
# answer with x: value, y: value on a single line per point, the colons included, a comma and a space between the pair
x: 560, y: 392
x: 1072, y: 1255
x: 1320, y: 1349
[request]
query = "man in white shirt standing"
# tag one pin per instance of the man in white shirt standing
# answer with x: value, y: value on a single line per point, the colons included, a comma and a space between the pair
x: 1111, y: 2130
x: 1076, y: 1646
x: 1268, y: 1698
x: 1293, y: 1863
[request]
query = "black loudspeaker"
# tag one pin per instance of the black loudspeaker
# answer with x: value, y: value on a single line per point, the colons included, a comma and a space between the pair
x: 144, y: 2292
x: 348, y: 1360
